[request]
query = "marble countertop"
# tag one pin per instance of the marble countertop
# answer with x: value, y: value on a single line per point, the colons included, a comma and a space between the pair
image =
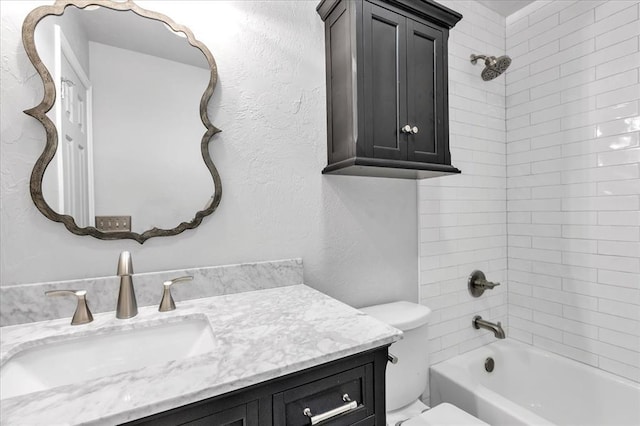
x: 262, y: 334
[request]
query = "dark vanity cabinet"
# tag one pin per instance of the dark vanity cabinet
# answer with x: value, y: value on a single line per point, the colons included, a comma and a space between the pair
x: 387, y: 97
x: 292, y: 400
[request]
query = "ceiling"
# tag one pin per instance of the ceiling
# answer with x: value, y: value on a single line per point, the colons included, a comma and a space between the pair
x: 505, y: 7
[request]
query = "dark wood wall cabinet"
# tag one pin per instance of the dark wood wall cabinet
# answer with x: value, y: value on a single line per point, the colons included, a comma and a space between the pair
x: 349, y: 391
x: 387, y: 97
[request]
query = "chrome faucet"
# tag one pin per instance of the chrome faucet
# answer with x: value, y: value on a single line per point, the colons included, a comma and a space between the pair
x: 127, y: 306
x: 479, y: 323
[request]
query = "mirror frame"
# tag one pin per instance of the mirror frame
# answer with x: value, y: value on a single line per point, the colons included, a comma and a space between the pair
x: 39, y: 113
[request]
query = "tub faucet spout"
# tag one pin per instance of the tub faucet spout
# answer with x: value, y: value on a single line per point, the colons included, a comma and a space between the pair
x: 497, y: 330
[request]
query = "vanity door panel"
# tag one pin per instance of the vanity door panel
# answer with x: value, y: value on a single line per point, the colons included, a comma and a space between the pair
x: 225, y: 411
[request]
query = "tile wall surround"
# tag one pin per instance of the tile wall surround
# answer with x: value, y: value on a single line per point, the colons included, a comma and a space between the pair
x: 573, y: 180
x: 27, y: 303
x: 549, y: 195
x: 462, y: 218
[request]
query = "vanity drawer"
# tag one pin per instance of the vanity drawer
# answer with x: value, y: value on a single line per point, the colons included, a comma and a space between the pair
x: 324, y: 395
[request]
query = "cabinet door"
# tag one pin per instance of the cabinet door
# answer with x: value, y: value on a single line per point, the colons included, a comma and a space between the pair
x: 384, y: 45
x: 219, y: 412
x: 426, y: 91
x: 241, y: 415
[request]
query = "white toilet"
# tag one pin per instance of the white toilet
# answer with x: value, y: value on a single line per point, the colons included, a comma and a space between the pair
x: 407, y: 379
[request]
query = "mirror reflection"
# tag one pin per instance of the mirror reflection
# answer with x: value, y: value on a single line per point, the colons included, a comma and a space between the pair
x: 127, y: 114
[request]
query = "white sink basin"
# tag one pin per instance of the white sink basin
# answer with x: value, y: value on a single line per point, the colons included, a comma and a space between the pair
x: 91, y: 357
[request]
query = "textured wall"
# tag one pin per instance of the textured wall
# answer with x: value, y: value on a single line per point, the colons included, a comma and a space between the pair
x: 573, y: 181
x: 357, y: 236
x: 463, y: 218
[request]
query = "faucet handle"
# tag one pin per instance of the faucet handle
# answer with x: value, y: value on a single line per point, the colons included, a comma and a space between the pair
x: 82, y: 315
x: 477, y: 283
x: 167, y: 303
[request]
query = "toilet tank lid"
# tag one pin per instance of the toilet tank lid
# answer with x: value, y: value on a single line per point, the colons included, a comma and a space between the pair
x: 403, y: 315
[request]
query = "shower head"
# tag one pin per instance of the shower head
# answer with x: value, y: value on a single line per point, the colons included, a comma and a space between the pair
x: 493, y: 66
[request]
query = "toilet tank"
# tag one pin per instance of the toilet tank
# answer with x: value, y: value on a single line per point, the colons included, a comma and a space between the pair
x: 407, y: 379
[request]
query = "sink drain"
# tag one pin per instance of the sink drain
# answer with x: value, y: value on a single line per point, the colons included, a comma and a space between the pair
x: 489, y: 364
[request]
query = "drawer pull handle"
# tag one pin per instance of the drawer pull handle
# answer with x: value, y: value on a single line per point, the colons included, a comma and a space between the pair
x: 351, y: 405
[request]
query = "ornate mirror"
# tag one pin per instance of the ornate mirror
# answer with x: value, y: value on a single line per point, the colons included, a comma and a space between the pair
x: 125, y: 100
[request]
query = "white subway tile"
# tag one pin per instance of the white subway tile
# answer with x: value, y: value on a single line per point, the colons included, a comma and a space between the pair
x: 611, y: 322
x: 540, y: 192
x: 577, y: 37
x: 519, y: 241
x: 618, y: 65
x: 567, y: 299
x: 598, y: 232
x: 551, y: 256
x: 579, y: 7
x: 619, y: 248
x: 600, y: 174
x: 565, y: 244
x: 612, y: 143
x: 610, y: 7
x: 566, y: 324
x: 625, y: 156
x: 537, y: 329
x: 600, y: 348
x: 613, y: 307
x: 580, y: 218
x: 572, y: 22
x: 519, y: 25
x: 619, y: 218
x: 631, y: 372
x: 538, y: 27
x: 535, y: 279
x: 618, y: 34
x: 604, y: 85
x: 519, y: 170
x: 561, y: 57
x: 549, y: 8
x: 614, y: 97
x: 602, y: 291
x: 587, y: 189
x: 535, y: 230
x: 535, y: 105
x: 617, y: 20
x: 565, y: 271
x: 532, y: 81
x: 628, y: 109
x: 616, y: 263
x: 519, y: 217
x: 564, y: 350
x: 519, y: 265
x: 613, y: 203
x: 624, y: 279
x: 623, y: 125
x: 546, y: 217
x: 534, y: 205
x: 598, y: 57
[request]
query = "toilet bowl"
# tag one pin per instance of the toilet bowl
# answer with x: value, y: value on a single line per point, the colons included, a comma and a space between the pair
x: 407, y: 379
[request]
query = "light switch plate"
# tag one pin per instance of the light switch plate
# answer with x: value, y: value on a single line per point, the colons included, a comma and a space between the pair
x: 113, y: 223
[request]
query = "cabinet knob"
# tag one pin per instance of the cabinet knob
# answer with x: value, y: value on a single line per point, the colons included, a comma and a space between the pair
x: 414, y: 130
x: 406, y: 129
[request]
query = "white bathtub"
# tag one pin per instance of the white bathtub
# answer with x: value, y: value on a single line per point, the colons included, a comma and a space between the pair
x: 529, y: 386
